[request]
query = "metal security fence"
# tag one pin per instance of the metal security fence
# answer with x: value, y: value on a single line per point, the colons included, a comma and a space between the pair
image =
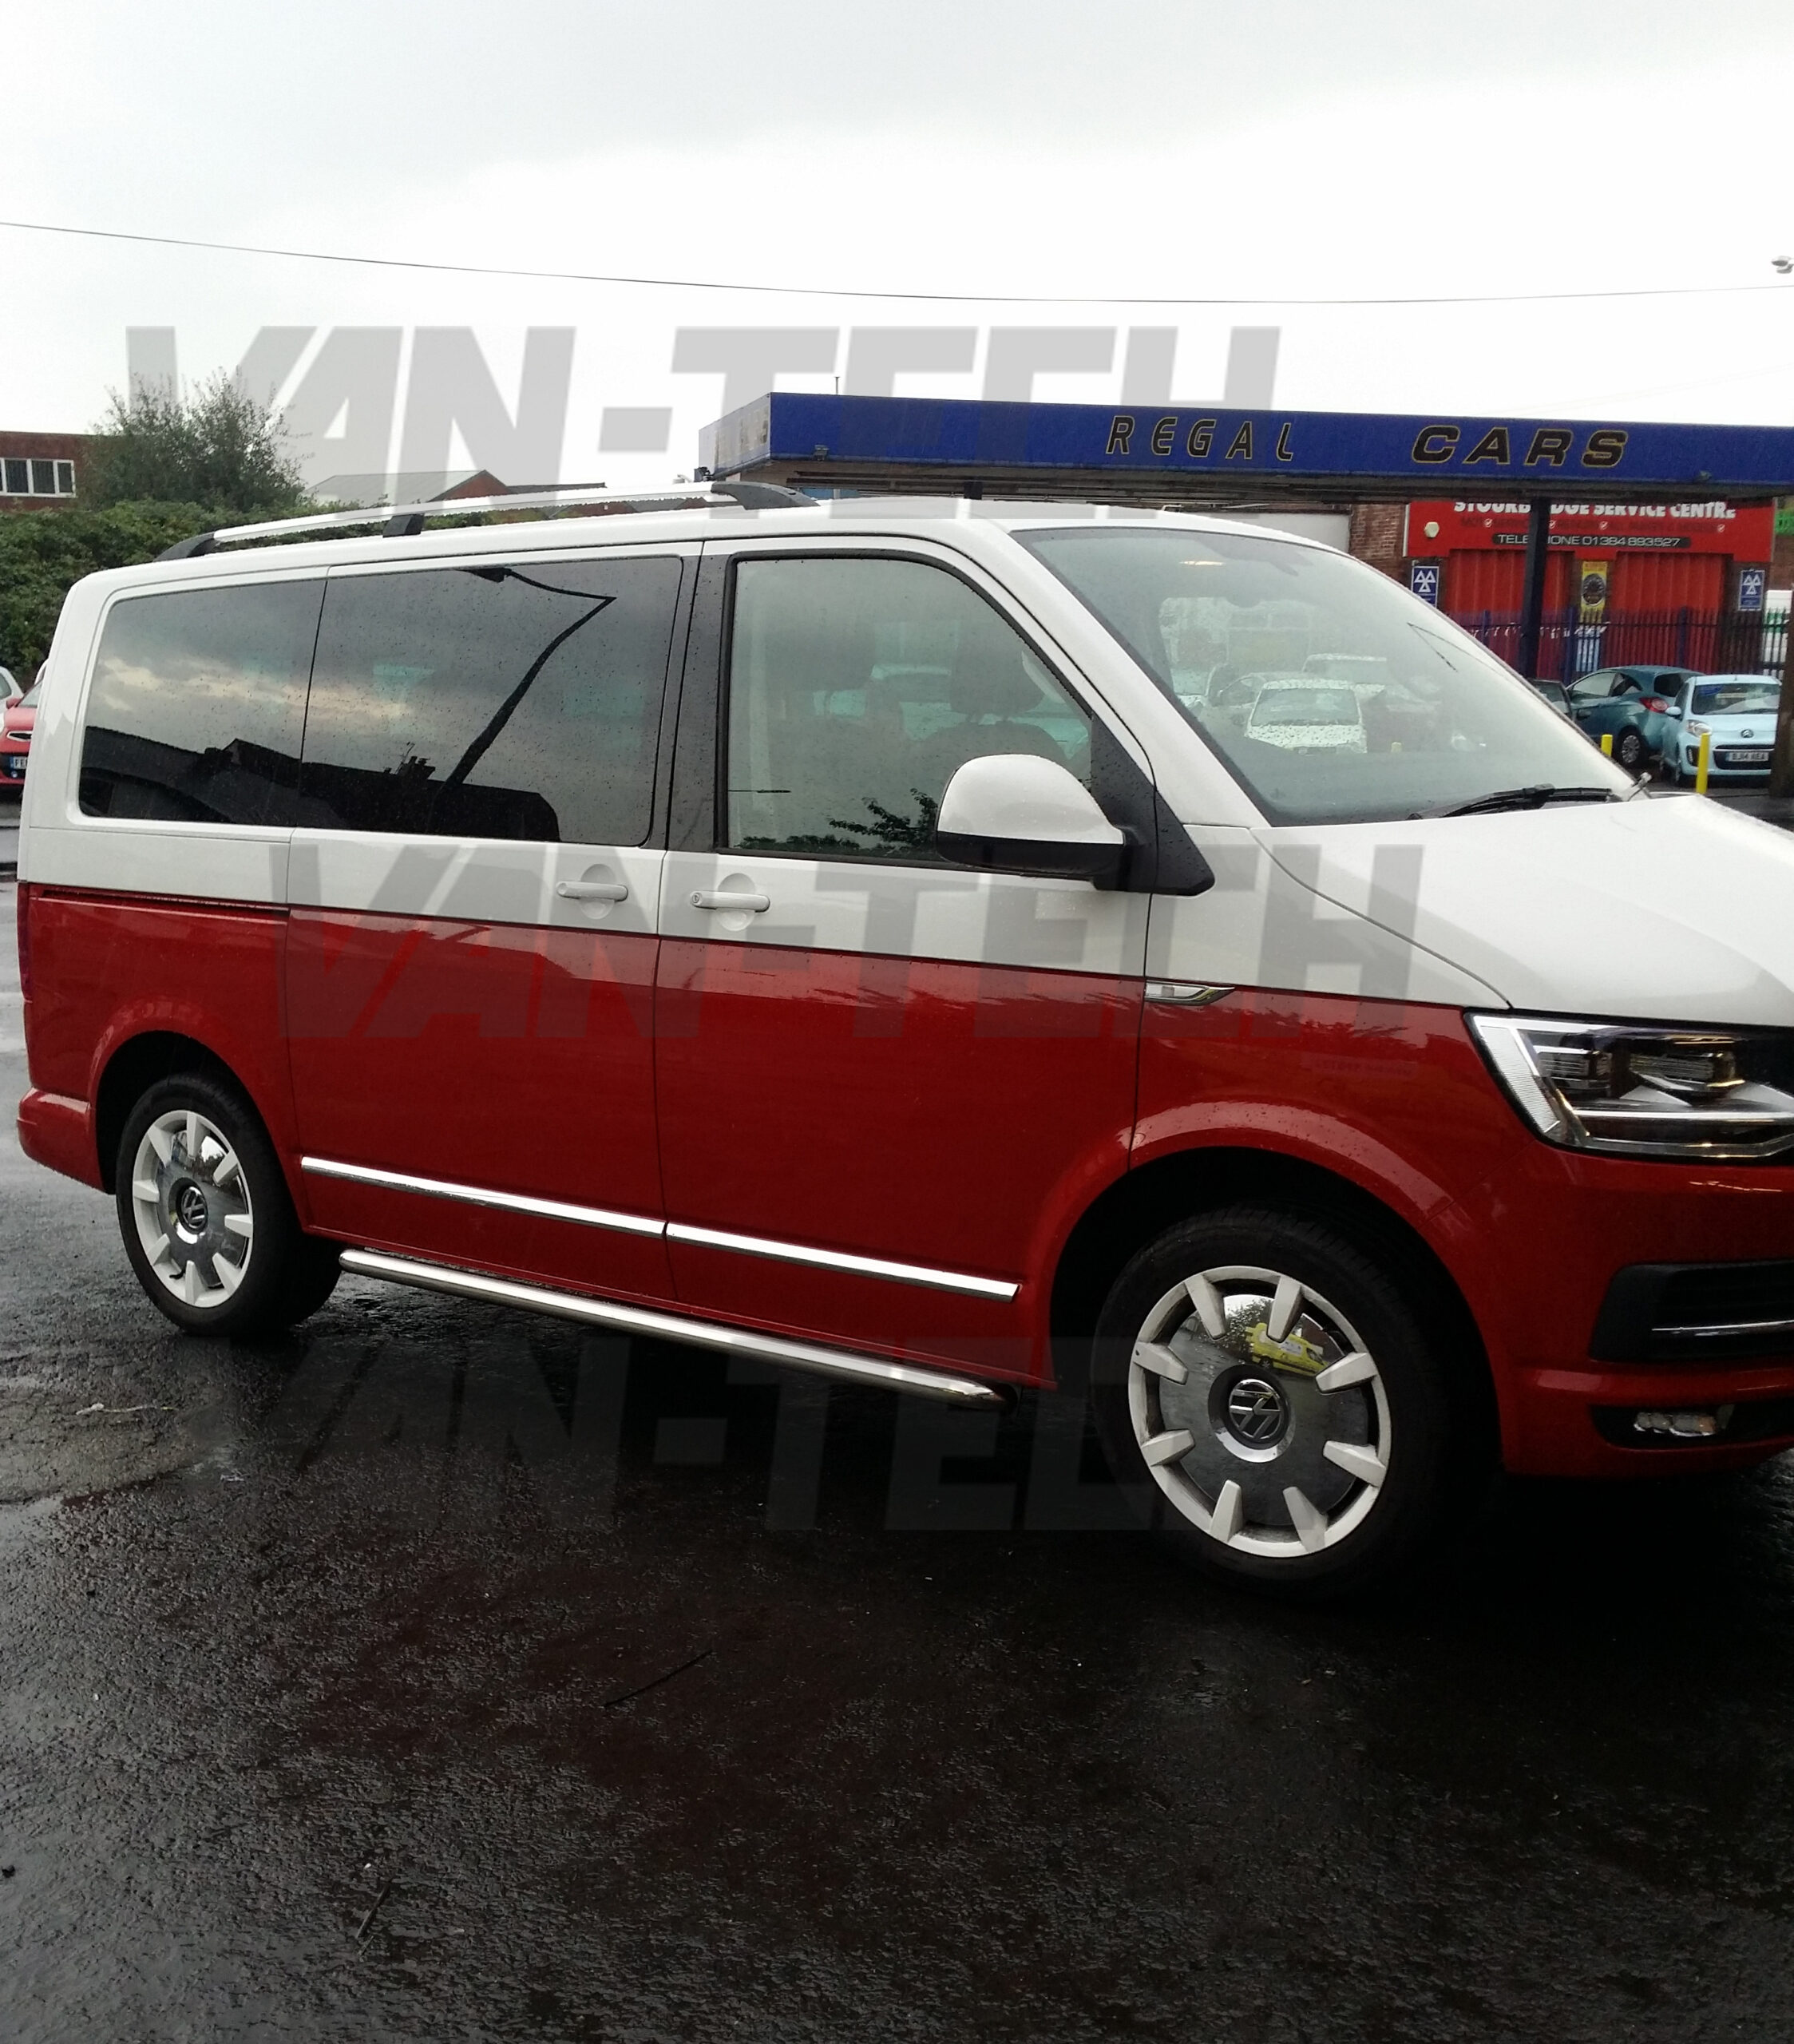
x: 1738, y: 642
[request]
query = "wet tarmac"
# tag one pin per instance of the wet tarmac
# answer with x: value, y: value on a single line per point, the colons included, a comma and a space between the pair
x: 443, y: 1674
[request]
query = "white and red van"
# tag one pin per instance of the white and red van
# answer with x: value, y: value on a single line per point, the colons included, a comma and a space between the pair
x: 924, y: 942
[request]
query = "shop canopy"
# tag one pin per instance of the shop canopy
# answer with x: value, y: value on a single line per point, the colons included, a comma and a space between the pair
x: 1146, y: 453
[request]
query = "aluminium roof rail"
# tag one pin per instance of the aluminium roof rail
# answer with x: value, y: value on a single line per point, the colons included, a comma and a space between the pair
x: 404, y: 521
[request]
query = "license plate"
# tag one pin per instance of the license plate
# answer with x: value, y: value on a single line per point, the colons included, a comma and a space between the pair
x: 1754, y: 758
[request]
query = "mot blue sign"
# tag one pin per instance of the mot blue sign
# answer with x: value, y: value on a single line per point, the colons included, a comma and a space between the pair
x: 1424, y: 579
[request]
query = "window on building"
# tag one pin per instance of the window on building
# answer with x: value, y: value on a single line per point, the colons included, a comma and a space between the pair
x: 858, y: 688
x: 30, y: 476
x: 198, y: 705
x: 518, y: 702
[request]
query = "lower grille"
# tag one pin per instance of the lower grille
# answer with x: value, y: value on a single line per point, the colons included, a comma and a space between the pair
x: 1696, y: 1312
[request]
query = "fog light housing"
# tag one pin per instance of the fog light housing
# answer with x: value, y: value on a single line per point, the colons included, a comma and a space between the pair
x: 1683, y: 1425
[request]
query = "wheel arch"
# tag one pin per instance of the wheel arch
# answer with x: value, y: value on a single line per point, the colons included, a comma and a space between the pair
x: 1134, y: 1208
x: 135, y: 1066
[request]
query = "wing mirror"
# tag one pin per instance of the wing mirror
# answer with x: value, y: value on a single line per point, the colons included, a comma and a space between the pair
x: 1013, y: 812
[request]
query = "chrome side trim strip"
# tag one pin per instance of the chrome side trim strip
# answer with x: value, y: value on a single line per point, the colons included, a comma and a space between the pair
x: 830, y: 1259
x: 639, y: 1224
x: 842, y: 1362
x: 1720, y: 1329
x: 474, y: 1195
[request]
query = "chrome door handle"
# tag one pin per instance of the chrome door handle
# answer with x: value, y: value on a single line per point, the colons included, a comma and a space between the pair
x: 724, y: 898
x: 592, y: 890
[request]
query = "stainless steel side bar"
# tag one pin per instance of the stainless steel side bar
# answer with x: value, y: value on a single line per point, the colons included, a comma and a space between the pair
x: 842, y: 1362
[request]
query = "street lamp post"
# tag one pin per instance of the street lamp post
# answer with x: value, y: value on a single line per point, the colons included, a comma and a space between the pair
x: 1532, y: 601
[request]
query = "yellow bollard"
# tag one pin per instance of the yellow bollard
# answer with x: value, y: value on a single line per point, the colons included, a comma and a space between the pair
x: 1607, y: 744
x: 1703, y: 762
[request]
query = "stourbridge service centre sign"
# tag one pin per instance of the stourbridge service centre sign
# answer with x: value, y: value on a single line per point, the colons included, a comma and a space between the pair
x: 1743, y: 532
x: 804, y: 434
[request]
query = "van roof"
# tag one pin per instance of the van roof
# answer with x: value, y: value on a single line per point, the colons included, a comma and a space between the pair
x: 554, y: 520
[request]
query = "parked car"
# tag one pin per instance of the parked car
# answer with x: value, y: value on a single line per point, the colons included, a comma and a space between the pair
x: 16, y: 721
x: 1306, y: 716
x: 1738, y: 712
x: 1627, y: 703
x: 873, y: 967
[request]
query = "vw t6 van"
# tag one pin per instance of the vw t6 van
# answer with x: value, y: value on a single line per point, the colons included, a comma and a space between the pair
x: 889, y: 938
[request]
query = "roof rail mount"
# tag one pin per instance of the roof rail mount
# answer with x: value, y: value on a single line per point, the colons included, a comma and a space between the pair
x: 761, y: 496
x: 185, y: 550
x: 407, y: 521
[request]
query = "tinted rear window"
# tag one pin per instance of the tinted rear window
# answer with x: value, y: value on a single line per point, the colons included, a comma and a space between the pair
x: 198, y: 703
x: 492, y: 701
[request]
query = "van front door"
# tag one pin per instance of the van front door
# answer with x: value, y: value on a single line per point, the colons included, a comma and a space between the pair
x: 886, y: 1084
x: 470, y: 959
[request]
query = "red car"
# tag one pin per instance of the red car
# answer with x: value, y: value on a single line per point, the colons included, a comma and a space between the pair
x: 15, y: 738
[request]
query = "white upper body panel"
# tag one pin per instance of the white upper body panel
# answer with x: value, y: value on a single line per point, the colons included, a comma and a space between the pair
x: 1669, y: 910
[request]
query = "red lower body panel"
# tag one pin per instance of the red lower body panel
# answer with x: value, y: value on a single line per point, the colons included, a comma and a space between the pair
x: 505, y: 1058
x: 58, y: 1132
x: 953, y: 1117
x: 1396, y: 1098
x: 107, y: 969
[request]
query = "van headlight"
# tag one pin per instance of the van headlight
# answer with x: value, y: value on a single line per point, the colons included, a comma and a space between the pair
x: 1634, y: 1091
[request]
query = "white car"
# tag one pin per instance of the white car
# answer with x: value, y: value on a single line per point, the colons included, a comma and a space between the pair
x: 1305, y: 715
x: 1736, y: 712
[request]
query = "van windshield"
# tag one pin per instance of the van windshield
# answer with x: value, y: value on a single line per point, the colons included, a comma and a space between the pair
x: 1231, y: 626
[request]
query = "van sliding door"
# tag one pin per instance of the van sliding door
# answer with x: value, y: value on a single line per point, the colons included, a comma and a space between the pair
x: 471, y: 959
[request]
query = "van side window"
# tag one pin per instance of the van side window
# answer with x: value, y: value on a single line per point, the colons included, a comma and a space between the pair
x: 857, y: 688
x: 509, y: 701
x: 197, y: 704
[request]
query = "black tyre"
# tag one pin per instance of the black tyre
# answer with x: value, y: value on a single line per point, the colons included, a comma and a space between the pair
x: 1630, y: 750
x: 1277, y: 1393
x: 206, y: 1217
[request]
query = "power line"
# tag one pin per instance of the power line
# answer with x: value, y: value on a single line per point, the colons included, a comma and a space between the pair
x: 820, y: 291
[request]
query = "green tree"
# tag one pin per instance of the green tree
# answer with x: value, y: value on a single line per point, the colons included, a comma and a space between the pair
x: 43, y: 552
x: 216, y: 446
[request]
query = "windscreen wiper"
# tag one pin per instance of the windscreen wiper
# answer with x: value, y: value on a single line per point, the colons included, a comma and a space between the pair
x: 1533, y: 798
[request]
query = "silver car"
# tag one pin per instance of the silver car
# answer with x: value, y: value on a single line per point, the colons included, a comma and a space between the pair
x: 1736, y: 711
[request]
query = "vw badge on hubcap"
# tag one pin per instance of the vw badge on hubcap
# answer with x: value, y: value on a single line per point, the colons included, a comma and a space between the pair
x: 1256, y: 1411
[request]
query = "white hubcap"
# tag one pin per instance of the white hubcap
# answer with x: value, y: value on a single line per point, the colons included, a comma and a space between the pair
x: 193, y: 1208
x: 1259, y: 1412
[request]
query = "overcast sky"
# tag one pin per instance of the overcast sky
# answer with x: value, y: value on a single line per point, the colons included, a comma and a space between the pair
x: 1263, y: 151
